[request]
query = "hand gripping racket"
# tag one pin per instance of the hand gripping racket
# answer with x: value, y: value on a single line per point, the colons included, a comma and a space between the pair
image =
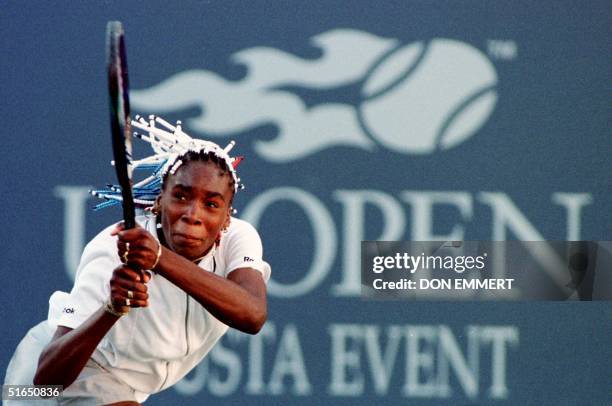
x: 118, y: 90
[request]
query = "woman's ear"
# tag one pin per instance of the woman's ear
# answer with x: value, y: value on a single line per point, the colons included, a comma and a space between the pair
x: 228, y: 219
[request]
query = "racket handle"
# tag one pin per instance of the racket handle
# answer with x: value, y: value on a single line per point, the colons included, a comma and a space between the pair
x: 129, y: 210
x: 128, y: 220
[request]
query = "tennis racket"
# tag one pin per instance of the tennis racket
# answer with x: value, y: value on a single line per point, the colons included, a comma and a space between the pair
x: 121, y: 133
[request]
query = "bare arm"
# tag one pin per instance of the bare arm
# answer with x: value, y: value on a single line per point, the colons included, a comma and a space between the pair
x: 63, y: 359
x: 238, y: 301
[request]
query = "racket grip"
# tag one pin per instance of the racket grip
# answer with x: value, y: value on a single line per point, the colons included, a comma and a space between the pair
x: 129, y: 214
x: 129, y: 222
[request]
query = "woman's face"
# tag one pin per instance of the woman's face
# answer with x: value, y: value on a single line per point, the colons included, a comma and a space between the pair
x: 195, y: 206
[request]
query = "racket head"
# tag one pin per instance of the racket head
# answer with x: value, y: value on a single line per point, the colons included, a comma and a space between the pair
x: 121, y: 134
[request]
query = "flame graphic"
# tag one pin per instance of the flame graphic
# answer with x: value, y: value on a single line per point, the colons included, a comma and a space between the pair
x: 232, y: 106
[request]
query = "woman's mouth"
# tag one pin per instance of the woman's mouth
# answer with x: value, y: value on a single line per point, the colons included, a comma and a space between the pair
x: 186, y: 239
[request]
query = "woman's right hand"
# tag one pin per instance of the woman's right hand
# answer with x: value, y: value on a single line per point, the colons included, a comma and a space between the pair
x: 127, y: 290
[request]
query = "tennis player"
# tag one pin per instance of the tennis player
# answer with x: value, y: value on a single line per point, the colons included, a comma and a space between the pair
x: 149, y: 303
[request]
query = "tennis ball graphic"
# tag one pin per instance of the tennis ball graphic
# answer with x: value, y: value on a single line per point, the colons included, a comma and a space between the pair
x: 427, y: 96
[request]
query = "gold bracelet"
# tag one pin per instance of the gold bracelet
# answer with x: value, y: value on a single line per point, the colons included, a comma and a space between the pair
x: 159, y: 251
x: 110, y: 309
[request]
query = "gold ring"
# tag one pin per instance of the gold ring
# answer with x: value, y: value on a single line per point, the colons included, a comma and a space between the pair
x: 127, y: 302
x: 126, y: 253
x: 130, y: 294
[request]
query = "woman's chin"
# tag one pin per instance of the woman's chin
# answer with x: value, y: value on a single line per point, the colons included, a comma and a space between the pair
x: 191, y: 253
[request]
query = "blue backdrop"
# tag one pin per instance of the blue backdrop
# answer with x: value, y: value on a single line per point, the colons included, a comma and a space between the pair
x: 406, y: 120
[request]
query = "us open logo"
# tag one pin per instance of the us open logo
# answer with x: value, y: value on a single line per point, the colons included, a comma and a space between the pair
x: 414, y: 98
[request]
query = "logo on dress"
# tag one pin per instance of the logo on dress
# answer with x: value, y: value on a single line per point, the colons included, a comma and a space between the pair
x: 364, y: 91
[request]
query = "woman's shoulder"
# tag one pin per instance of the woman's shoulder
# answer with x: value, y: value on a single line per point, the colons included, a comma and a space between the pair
x: 99, y: 254
x: 241, y: 247
x: 102, y: 240
x: 105, y: 239
x: 239, y: 226
x: 241, y: 232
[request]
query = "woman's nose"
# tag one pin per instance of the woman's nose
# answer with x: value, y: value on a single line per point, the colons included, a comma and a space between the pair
x: 194, y: 213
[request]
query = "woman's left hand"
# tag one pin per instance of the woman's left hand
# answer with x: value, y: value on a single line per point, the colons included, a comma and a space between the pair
x: 137, y: 247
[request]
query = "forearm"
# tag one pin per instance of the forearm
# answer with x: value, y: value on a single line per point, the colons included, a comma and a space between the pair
x: 225, y: 299
x: 63, y: 359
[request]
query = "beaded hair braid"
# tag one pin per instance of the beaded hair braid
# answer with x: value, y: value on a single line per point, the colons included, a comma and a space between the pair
x: 172, y: 148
